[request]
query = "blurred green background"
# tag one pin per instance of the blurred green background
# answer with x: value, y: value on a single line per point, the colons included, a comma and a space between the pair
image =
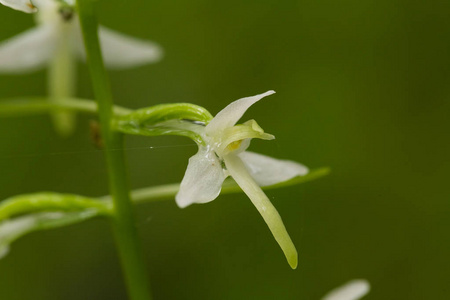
x: 362, y: 87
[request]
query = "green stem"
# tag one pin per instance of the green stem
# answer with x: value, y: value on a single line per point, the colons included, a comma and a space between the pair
x: 123, y: 222
x: 61, y: 80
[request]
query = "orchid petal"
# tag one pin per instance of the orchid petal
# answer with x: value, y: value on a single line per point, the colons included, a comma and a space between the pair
x: 28, y: 51
x: 352, y: 290
x: 228, y: 116
x: 22, y: 5
x: 269, y: 213
x: 121, y: 51
x: 203, y: 179
x: 266, y: 170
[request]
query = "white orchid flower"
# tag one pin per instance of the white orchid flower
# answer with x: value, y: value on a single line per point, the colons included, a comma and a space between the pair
x: 224, y: 154
x: 352, y: 290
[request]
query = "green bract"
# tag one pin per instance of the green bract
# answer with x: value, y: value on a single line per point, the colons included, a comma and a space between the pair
x: 166, y: 119
x: 51, y: 202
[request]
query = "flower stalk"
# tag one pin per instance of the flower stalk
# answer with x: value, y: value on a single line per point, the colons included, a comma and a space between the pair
x: 123, y: 220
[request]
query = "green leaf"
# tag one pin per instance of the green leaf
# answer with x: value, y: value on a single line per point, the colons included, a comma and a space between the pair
x: 182, y: 119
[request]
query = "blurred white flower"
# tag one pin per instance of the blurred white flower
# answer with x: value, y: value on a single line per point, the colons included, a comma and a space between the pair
x: 352, y: 290
x: 58, y: 30
x: 223, y: 154
x: 56, y: 43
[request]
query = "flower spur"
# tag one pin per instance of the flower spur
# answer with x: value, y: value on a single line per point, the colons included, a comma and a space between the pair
x: 224, y: 154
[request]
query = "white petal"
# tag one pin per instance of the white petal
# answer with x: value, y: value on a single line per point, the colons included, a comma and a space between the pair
x: 266, y: 170
x: 269, y: 213
x: 202, y: 181
x: 352, y: 290
x: 28, y: 51
x: 121, y: 51
x: 228, y: 116
x: 22, y: 5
